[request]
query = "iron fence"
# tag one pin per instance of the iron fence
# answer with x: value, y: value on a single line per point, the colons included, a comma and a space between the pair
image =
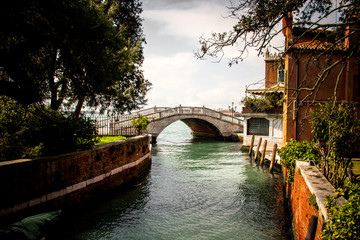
x: 114, y: 125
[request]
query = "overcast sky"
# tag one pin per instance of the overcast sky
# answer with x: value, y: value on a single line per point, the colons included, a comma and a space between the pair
x: 172, y: 29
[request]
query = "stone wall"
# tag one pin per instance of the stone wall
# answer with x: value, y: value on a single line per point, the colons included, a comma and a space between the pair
x: 71, y: 178
x: 306, y: 196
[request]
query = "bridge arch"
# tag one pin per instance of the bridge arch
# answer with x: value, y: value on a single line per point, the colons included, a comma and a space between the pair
x: 199, y: 125
x: 202, y: 121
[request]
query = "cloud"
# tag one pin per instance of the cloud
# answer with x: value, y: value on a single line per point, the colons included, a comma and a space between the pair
x: 172, y: 31
x: 171, y: 76
x: 193, y: 22
x: 170, y: 71
x: 181, y: 79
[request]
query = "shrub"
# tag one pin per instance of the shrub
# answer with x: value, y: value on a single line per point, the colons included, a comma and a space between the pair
x: 294, y: 150
x: 266, y: 102
x: 61, y: 132
x: 257, y: 104
x: 344, y: 220
x: 14, y: 131
x: 336, y: 130
x: 140, y: 123
x: 39, y: 131
x: 274, y: 99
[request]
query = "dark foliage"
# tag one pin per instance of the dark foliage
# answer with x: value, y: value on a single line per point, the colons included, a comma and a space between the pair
x: 73, y: 53
x: 37, y: 131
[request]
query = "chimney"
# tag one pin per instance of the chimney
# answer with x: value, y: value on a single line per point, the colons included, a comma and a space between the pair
x: 351, y: 35
x: 287, y: 28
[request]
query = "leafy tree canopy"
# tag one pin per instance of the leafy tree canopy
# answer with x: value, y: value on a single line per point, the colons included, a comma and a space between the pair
x: 258, y: 23
x: 72, y: 54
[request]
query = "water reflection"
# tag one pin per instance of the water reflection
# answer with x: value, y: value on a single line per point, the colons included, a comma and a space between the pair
x: 196, y: 189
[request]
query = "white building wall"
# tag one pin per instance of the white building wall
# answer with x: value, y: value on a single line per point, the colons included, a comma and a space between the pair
x: 275, y: 129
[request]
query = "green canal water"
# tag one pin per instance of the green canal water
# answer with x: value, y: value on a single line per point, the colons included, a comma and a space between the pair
x: 195, y: 189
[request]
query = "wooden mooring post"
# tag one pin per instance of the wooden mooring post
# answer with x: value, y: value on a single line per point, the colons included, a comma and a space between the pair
x: 311, y: 230
x: 273, y: 155
x: 257, y: 149
x: 251, y: 145
x: 263, y: 153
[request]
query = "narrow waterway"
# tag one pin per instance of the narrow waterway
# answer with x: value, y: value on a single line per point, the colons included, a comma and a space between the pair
x: 196, y: 189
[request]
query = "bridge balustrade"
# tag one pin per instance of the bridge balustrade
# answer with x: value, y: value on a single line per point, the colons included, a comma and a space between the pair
x: 121, y: 125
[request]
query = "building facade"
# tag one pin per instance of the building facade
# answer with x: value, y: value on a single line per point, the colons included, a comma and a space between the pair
x: 268, y: 123
x: 315, y: 70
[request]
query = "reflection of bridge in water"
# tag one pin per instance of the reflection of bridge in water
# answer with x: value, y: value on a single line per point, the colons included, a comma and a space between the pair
x: 202, y: 121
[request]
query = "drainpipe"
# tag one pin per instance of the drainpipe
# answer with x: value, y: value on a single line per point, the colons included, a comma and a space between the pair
x: 295, y: 105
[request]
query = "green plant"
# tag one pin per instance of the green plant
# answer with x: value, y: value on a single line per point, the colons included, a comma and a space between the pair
x: 61, y: 132
x: 14, y: 129
x: 274, y: 99
x: 140, y: 123
x: 344, y: 220
x: 37, y: 131
x: 265, y: 102
x: 312, y: 201
x: 294, y: 150
x: 336, y: 129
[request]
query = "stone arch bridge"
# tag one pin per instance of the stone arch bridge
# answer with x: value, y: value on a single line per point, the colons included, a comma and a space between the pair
x: 201, y: 120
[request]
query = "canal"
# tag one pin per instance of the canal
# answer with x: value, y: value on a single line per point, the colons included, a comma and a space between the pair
x: 196, y: 189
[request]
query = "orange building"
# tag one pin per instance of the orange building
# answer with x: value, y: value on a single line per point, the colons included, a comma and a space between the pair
x: 274, y: 71
x: 274, y: 76
x: 309, y: 54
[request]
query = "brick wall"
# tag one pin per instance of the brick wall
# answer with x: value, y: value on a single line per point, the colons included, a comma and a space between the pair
x: 71, y: 178
x: 301, y: 208
x: 308, y: 183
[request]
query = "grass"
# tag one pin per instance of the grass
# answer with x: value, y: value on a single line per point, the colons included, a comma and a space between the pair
x: 108, y: 139
x: 356, y: 167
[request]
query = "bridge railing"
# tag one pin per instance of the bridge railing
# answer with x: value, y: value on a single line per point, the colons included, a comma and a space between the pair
x: 160, y: 112
x: 121, y: 125
x: 114, y: 125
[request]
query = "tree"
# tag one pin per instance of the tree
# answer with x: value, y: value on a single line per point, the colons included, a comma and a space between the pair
x: 336, y: 130
x: 73, y: 54
x: 258, y: 24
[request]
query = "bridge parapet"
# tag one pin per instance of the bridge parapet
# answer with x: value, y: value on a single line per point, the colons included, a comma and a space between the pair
x: 162, y: 112
x: 122, y: 125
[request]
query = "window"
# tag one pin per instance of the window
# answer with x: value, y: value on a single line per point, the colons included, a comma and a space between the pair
x: 258, y: 126
x: 280, y: 74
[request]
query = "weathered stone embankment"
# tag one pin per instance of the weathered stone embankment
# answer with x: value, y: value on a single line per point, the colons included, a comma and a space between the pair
x: 306, y: 197
x: 68, y: 179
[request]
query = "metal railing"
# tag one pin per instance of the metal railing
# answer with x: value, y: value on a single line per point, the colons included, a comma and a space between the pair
x: 121, y: 125
x: 114, y: 126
